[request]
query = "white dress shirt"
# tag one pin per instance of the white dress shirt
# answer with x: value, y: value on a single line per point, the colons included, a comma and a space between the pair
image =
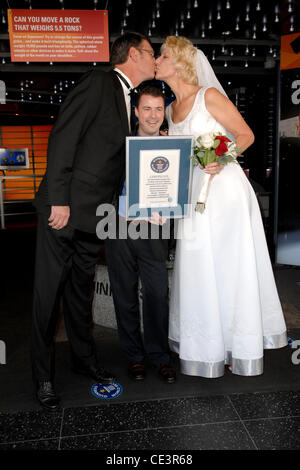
x: 126, y: 91
x: 122, y: 201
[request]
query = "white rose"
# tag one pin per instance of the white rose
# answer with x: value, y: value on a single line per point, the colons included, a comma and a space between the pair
x: 207, y: 140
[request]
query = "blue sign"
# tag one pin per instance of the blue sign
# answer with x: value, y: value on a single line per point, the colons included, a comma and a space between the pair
x: 291, y: 341
x: 107, y: 391
x: 14, y: 159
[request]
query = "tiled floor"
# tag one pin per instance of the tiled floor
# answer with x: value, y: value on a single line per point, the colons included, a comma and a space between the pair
x: 243, y: 421
x: 227, y: 413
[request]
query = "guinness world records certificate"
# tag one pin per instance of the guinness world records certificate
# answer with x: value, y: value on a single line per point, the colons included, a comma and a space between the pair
x: 158, y: 176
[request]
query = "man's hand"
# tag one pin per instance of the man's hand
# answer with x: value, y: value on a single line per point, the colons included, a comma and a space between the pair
x: 59, y: 217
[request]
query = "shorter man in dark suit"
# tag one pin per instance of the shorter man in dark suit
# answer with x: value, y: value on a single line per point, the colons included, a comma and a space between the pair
x: 128, y: 259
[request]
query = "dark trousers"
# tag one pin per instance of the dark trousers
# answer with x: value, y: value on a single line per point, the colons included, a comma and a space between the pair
x: 126, y: 260
x: 65, y: 266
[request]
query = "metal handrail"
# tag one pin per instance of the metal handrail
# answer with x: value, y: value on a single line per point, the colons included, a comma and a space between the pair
x: 22, y: 190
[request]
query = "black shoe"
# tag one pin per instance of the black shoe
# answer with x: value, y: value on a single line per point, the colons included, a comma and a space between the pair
x: 46, y: 396
x: 167, y: 373
x: 97, y: 373
x: 136, y: 370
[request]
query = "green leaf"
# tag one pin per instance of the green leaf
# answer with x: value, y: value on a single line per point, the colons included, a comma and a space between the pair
x: 225, y: 159
x: 195, y: 160
x: 211, y: 156
x: 205, y: 158
x: 222, y: 161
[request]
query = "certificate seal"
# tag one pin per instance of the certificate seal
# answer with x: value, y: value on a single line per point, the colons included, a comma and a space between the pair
x: 107, y: 391
x: 160, y: 164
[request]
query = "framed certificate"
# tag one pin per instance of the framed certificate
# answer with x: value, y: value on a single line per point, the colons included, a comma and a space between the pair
x: 158, y: 176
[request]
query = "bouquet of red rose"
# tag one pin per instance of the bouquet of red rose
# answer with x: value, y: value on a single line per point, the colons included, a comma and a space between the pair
x: 212, y: 147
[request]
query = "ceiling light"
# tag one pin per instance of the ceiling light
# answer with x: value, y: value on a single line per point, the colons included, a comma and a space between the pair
x: 247, y: 12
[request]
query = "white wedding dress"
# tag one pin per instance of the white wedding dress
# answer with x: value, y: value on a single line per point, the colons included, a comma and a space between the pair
x: 224, y: 306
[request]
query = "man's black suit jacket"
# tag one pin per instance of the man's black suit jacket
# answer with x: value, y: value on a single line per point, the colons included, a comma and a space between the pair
x: 86, y: 153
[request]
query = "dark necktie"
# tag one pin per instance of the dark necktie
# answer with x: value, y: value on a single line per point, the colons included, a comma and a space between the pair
x: 132, y: 94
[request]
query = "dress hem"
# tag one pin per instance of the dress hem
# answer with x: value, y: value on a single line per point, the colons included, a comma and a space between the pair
x: 244, y: 367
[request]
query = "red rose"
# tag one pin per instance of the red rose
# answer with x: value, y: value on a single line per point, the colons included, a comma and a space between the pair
x: 222, y: 147
x: 222, y: 138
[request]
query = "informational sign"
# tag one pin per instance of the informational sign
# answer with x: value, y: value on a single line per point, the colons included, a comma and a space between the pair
x: 58, y: 35
x: 290, y: 51
x: 288, y: 233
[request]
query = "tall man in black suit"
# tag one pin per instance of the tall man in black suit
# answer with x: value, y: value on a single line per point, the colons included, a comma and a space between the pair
x: 85, y: 168
x: 128, y: 258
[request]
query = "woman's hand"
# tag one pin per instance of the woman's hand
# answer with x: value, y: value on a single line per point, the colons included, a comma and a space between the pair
x: 212, y: 168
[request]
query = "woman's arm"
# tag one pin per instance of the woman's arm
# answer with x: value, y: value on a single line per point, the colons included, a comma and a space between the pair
x: 224, y: 111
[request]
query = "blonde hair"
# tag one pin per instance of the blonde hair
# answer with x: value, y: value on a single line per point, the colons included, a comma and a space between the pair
x: 184, y: 54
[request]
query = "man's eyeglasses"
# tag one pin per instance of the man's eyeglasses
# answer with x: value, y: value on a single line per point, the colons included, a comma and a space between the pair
x: 146, y: 50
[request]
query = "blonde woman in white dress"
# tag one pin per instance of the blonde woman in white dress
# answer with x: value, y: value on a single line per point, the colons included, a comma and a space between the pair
x: 224, y: 306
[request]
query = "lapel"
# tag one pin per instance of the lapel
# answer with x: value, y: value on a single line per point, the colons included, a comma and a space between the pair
x: 120, y: 102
